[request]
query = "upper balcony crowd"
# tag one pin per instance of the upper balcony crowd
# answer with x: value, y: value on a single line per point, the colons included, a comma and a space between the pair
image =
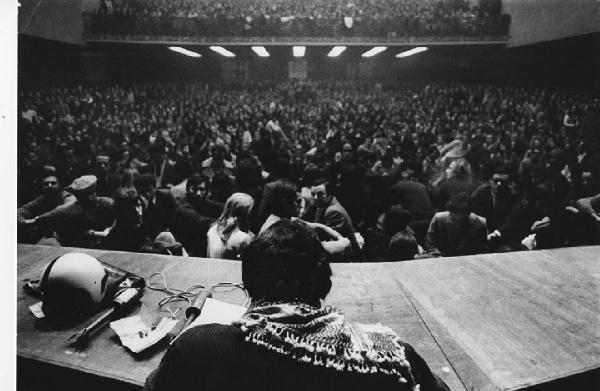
x: 389, y: 19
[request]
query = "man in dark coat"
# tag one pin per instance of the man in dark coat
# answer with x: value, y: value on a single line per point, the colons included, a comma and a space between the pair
x: 107, y: 181
x: 413, y: 197
x: 161, y: 167
x: 538, y: 222
x: 159, y: 205
x: 53, y: 196
x: 85, y: 222
x: 456, y: 231
x: 194, y: 216
x: 331, y: 213
x: 496, y: 199
x: 128, y: 234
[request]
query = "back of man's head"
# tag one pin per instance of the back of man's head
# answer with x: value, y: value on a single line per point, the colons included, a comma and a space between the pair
x: 402, y: 247
x: 459, y: 204
x: 396, y: 220
x: 286, y: 263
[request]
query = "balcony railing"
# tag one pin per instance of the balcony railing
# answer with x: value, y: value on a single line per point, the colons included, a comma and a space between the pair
x: 98, y: 26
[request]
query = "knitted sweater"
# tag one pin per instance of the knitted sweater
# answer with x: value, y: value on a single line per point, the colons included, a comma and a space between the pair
x: 216, y: 357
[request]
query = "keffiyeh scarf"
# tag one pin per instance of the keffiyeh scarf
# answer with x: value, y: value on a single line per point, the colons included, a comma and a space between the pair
x: 321, y: 337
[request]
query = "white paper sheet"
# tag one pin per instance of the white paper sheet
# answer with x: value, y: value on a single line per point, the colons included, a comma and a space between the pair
x: 136, y: 336
x: 215, y: 311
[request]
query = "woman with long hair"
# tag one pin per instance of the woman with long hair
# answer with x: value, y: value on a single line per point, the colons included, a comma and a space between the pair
x: 228, y: 236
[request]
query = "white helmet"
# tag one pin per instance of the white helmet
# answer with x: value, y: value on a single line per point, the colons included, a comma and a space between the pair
x: 73, y: 285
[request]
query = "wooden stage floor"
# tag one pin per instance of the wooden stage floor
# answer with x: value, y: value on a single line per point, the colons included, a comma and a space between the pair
x: 486, y: 322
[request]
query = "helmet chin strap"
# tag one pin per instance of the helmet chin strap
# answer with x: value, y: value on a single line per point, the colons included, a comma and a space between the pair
x: 44, y: 280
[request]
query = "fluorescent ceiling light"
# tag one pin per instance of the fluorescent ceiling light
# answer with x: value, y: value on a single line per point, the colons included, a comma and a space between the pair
x: 261, y: 51
x: 299, y: 51
x: 222, y: 51
x: 336, y: 51
x: 374, y: 51
x: 411, y: 52
x: 184, y: 51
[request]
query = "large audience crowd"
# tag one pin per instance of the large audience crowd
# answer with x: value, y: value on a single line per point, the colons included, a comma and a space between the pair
x: 363, y: 18
x: 381, y: 172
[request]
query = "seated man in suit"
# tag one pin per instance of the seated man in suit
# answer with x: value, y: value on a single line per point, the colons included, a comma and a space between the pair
x: 495, y: 200
x: 331, y: 213
x: 456, y: 231
x: 195, y: 215
x: 52, y: 197
x: 158, y: 205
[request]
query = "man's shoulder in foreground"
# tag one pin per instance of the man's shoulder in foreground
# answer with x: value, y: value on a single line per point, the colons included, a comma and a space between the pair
x: 217, y: 357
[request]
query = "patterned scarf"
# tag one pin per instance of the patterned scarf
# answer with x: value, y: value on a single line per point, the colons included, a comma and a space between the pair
x: 321, y: 337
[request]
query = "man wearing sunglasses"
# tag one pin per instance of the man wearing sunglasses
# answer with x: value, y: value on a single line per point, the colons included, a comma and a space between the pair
x: 495, y: 200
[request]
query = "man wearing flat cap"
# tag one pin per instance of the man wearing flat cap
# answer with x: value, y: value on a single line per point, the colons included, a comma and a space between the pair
x: 87, y: 221
x: 53, y: 197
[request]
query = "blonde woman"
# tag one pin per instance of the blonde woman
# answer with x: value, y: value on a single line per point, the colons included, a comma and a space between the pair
x: 228, y: 236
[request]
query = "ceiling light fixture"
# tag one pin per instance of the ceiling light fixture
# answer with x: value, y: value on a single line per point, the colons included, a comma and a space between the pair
x: 260, y: 51
x: 411, y: 52
x: 299, y: 51
x: 374, y: 51
x: 222, y: 51
x: 336, y: 51
x: 185, y: 52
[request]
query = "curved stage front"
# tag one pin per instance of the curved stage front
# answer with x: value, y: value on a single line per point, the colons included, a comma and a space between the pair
x: 486, y: 322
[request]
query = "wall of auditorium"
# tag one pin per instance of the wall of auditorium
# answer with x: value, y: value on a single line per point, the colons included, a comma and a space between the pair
x: 544, y: 20
x: 570, y: 63
x: 58, y: 20
x: 43, y: 63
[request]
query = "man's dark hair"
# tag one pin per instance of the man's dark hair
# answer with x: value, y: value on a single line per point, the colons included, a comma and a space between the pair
x: 459, y: 203
x: 247, y: 175
x: 329, y: 185
x: 543, y: 192
x: 402, y: 247
x: 350, y: 175
x: 396, y: 219
x: 158, y: 147
x: 283, y: 193
x: 310, y: 174
x: 285, y: 263
x: 281, y: 167
x: 125, y: 197
x: 196, y: 179
x: 145, y: 180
